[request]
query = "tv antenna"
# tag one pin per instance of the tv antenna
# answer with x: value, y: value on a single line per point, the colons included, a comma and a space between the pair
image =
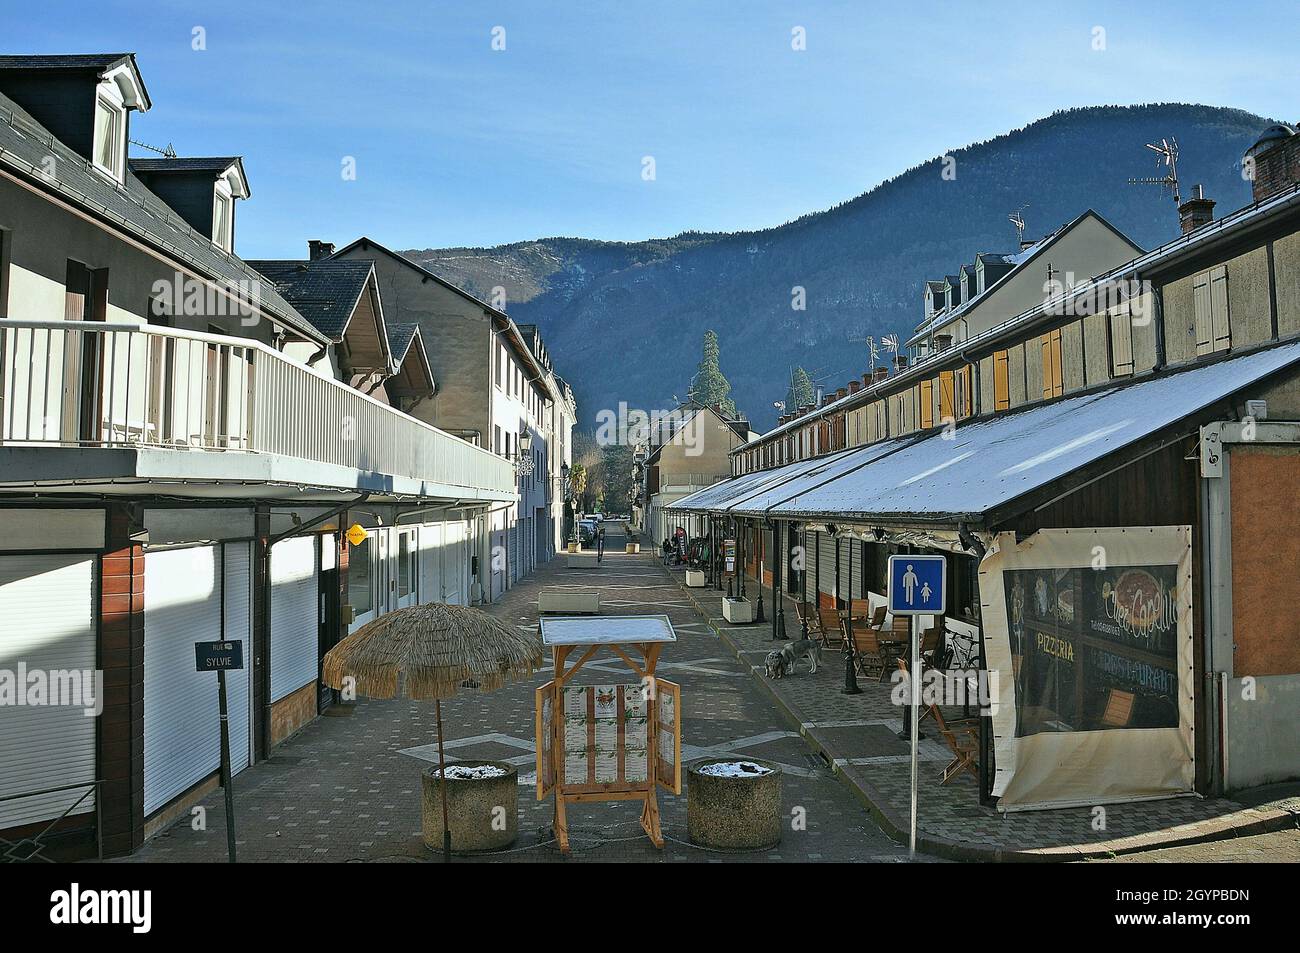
x: 1018, y: 220
x: 1166, y: 151
x: 168, y: 153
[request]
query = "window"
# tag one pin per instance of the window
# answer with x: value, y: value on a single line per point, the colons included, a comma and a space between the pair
x: 498, y: 362
x: 5, y: 239
x: 1052, y: 381
x: 361, y: 578
x: 965, y: 392
x: 1210, y: 304
x: 1001, y: 382
x: 110, y: 137
x: 1120, y: 329
x: 496, y: 440
x: 405, y: 564
x: 223, y: 221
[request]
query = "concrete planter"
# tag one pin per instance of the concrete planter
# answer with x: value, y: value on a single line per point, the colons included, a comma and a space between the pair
x: 633, y: 548
x: 569, y: 601
x: 733, y: 809
x: 696, y: 579
x: 581, y: 561
x: 738, y: 611
x: 571, y: 548
x: 482, y: 812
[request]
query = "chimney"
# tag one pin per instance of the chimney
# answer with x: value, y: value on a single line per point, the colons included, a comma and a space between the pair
x: 880, y: 374
x: 1196, y: 211
x: 1273, y: 163
x: 842, y: 392
x: 900, y: 363
x: 942, y: 342
x: 1027, y: 243
x: 317, y: 249
x: 854, y: 386
x: 867, y: 378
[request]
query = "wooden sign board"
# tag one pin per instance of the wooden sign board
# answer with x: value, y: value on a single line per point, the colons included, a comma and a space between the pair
x: 545, y: 718
x: 668, y: 749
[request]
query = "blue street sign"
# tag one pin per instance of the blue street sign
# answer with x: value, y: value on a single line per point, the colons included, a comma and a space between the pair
x: 218, y: 656
x: 917, y: 585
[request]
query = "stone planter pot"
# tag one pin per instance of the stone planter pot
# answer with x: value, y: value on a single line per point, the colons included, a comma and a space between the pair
x: 633, y: 548
x: 696, y: 579
x: 482, y: 812
x: 569, y: 601
x: 733, y: 809
x: 738, y: 611
x: 571, y: 547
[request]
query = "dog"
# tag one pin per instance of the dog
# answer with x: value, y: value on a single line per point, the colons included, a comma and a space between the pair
x: 781, y: 662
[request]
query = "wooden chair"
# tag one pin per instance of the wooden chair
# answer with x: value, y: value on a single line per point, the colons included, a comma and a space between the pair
x: 1119, y: 709
x: 963, y: 739
x: 830, y: 626
x: 867, y: 657
x: 930, y: 642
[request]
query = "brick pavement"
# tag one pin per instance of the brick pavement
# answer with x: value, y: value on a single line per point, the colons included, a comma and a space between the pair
x: 348, y: 788
x: 857, y: 734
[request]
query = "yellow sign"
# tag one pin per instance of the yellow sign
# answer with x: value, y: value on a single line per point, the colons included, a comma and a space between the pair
x: 356, y: 535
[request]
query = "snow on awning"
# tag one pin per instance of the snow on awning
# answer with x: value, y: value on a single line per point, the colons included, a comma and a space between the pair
x: 987, y: 463
x: 721, y: 496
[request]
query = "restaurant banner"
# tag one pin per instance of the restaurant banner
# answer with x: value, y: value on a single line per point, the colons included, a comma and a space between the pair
x: 1094, y: 628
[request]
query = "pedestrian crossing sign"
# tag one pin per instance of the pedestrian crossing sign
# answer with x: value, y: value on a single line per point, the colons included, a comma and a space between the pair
x: 917, y: 585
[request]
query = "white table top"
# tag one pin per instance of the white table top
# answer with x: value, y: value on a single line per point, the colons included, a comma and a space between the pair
x: 606, y: 629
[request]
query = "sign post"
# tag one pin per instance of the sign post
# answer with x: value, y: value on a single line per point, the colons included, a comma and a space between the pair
x: 221, y: 657
x: 917, y: 586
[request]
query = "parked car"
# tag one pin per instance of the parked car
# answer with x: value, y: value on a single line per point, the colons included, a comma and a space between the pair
x: 586, y: 532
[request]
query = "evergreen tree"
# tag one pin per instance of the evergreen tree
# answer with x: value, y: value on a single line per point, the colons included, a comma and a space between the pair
x: 800, y: 392
x: 710, y: 386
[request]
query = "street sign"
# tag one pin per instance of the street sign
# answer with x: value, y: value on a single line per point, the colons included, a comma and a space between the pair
x: 218, y: 656
x: 356, y: 534
x: 917, y: 585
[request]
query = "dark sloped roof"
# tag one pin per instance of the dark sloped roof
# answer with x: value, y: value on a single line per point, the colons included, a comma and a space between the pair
x: 325, y: 292
x: 25, y: 146
x: 98, y: 62
x: 400, y: 337
x: 214, y: 164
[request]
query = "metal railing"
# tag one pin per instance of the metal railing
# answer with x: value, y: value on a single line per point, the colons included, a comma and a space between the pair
x: 28, y: 849
x: 688, y: 481
x: 94, y: 384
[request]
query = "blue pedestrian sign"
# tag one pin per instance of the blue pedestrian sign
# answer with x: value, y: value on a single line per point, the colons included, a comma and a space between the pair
x: 917, y: 585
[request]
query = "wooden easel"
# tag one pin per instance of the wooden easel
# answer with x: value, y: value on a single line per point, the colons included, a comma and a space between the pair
x: 551, y: 739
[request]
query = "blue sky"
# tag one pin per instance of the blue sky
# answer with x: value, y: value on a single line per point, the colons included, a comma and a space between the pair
x: 456, y: 143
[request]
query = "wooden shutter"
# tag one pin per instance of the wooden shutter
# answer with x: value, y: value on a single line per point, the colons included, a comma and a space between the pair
x: 1001, y: 381
x: 1121, y: 341
x: 1219, y: 325
x: 1201, y: 311
x: 947, y: 404
x: 927, y: 404
x: 1052, y: 380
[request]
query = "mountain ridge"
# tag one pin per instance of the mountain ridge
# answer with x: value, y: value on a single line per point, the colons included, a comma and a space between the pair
x: 861, y: 262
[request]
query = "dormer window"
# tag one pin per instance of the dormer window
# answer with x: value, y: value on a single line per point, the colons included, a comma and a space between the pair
x: 223, y: 220
x: 110, y: 137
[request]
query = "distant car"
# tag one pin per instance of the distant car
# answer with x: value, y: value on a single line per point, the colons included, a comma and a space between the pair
x: 586, y: 531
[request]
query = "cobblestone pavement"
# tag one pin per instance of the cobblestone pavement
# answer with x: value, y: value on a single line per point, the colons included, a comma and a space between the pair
x: 858, y: 735
x: 348, y: 788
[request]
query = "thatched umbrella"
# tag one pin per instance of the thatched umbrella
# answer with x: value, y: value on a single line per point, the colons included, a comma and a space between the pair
x: 433, y: 651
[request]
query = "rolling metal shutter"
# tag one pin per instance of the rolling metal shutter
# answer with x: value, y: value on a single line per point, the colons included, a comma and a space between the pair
x: 432, y: 562
x: 239, y: 625
x: 826, y: 564
x: 455, y: 564
x: 295, y: 630
x: 47, y: 603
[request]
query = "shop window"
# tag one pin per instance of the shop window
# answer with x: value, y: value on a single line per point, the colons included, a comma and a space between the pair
x: 1053, y: 385
x: 1001, y: 381
x: 1210, y: 305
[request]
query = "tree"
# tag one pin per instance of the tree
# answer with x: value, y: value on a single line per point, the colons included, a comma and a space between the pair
x: 800, y: 393
x: 710, y: 387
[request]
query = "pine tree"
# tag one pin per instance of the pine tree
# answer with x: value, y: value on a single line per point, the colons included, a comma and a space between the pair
x: 710, y: 387
x: 800, y: 393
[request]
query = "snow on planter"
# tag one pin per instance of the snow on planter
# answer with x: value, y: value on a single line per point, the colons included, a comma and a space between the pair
x: 733, y: 804
x: 734, y: 769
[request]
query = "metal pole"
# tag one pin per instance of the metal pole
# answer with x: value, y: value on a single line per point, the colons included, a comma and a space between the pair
x: 442, y: 787
x: 782, y: 553
x: 225, y: 764
x: 913, y: 703
x: 850, y: 644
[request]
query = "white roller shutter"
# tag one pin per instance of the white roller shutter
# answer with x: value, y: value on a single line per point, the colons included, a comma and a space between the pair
x: 47, y: 604
x: 294, y: 624
x: 455, y: 564
x: 239, y: 625
x: 182, y: 730
x: 432, y: 555
x: 826, y: 564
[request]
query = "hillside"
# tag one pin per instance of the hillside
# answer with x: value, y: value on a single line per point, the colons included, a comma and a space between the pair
x: 862, y: 263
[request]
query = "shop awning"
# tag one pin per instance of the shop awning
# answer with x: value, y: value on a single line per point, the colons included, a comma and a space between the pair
x: 983, y: 466
x: 721, y: 496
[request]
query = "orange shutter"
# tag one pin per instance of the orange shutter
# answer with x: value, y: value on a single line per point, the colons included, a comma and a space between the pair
x: 1001, y: 382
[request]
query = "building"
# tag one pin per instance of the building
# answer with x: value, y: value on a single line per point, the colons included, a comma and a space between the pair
x: 558, y: 421
x: 1113, y: 475
x: 497, y: 389
x: 184, y: 441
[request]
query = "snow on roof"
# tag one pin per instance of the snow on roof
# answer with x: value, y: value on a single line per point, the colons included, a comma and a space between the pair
x: 987, y: 463
x: 719, y: 496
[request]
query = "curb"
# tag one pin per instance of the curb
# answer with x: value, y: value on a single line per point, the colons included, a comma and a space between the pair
x: 1251, y: 820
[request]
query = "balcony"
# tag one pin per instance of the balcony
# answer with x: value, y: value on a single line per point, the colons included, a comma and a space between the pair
x: 98, y: 406
x: 681, y: 482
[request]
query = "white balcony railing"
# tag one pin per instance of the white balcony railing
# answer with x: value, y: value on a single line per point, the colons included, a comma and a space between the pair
x: 91, y: 384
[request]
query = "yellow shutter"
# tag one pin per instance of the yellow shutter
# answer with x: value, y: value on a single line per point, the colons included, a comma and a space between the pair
x: 1001, y: 382
x: 946, y: 409
x: 927, y: 404
x: 1052, y: 381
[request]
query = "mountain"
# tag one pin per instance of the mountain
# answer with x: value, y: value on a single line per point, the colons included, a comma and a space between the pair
x: 861, y: 263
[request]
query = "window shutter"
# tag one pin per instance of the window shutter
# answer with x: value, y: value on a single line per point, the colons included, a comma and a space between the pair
x: 927, y: 404
x: 946, y: 409
x: 1001, y: 381
x: 1201, y: 310
x: 1121, y: 341
x: 1219, y: 308
x: 1052, y: 385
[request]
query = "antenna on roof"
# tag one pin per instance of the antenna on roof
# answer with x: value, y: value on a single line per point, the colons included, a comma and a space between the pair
x: 1018, y: 220
x: 1166, y: 151
x: 168, y: 153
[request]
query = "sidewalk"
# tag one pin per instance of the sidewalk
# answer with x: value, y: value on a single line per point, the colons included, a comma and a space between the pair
x: 858, y: 736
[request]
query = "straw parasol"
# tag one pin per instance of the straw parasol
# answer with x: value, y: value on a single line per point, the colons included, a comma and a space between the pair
x: 432, y: 651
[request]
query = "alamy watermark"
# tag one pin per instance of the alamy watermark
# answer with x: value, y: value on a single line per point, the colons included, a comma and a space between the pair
x: 52, y: 688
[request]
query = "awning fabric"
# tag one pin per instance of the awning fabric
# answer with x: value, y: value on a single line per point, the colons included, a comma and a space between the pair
x: 960, y: 475
x: 719, y: 497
